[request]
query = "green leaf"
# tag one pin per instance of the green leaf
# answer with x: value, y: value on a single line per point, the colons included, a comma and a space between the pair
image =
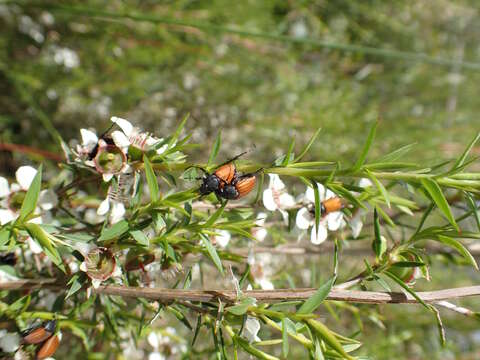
x: 212, y: 252
x: 396, y: 154
x: 115, y: 231
x: 441, y: 329
x: 44, y: 240
x: 151, y: 180
x: 76, y: 285
x: 312, y: 303
x: 462, y: 158
x: 473, y: 207
x: 215, y: 216
x: 379, y: 244
x: 216, y: 148
x: 285, y: 347
x: 253, y: 350
x: 4, y: 236
x: 326, y: 335
x: 31, y: 197
x: 380, y: 188
x: 366, y: 148
x: 179, y: 129
x: 406, y: 288
x: 20, y: 305
x: 457, y: 245
x: 241, y: 308
x: 289, y: 154
x: 438, y: 198
x: 140, y: 237
x: 307, y: 147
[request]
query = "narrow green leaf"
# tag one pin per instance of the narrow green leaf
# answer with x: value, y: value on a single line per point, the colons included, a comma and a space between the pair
x: 462, y: 158
x: 406, y: 288
x: 457, y: 245
x: 241, y: 308
x: 395, y: 154
x: 366, y: 148
x: 44, y: 240
x: 4, y: 236
x: 140, y: 237
x: 380, y: 188
x: 113, y: 232
x: 285, y: 347
x: 76, y: 285
x: 31, y: 197
x: 473, y: 207
x: 326, y: 335
x: 215, y: 149
x: 307, y: 147
x: 151, y: 180
x: 212, y: 252
x: 289, y: 154
x: 197, y: 329
x: 215, y: 216
x: 379, y: 245
x: 179, y: 129
x: 312, y: 303
x: 438, y: 198
x: 441, y: 329
x: 253, y: 350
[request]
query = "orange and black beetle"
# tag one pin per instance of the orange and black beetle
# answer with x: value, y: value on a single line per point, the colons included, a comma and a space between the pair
x: 239, y: 187
x: 223, y: 175
x: 8, y: 259
x: 40, y: 333
x: 48, y: 348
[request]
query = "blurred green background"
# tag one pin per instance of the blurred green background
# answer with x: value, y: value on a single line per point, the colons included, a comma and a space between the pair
x: 262, y: 72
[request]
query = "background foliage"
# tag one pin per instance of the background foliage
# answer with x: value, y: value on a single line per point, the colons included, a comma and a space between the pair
x: 69, y: 65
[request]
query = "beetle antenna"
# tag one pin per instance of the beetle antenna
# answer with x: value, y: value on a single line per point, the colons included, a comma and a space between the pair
x: 197, y: 167
x: 106, y: 131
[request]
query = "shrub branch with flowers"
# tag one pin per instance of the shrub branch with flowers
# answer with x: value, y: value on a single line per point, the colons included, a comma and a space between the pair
x: 119, y: 240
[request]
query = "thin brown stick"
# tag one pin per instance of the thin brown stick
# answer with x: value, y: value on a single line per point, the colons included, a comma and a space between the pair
x: 30, y: 150
x: 262, y: 296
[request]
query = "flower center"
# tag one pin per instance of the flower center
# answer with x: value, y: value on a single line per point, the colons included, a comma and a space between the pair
x: 110, y: 160
x: 15, y: 200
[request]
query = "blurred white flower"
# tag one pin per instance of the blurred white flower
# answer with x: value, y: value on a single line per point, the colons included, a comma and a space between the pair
x: 9, y: 342
x: 251, y: 329
x: 222, y: 238
x: 66, y: 57
x: 306, y: 216
x: 117, y: 210
x: 275, y: 197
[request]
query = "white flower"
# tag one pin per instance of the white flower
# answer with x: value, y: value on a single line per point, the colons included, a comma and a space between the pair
x: 259, y: 232
x: 131, y: 135
x: 306, y: 216
x: 356, y: 222
x: 117, y: 209
x: 251, y: 329
x: 275, y: 197
x: 11, y: 197
x: 9, y: 342
x: 222, y: 238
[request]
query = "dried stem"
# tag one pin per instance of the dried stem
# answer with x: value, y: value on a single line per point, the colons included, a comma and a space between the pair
x: 262, y: 296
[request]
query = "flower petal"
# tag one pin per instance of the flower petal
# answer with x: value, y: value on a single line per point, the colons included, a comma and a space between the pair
x: 318, y: 237
x: 120, y: 139
x: 334, y: 220
x: 364, y: 183
x: 118, y: 212
x: 251, y: 329
x: 266, y: 284
x: 9, y: 342
x: 4, y: 188
x: 6, y: 216
x: 356, y: 224
x: 89, y: 138
x: 107, y: 177
x: 48, y: 199
x: 34, y: 247
x: 153, y: 339
x: 304, y: 219
x: 286, y: 200
x: 124, y: 124
x: 275, y: 182
x: 104, y: 207
x: 25, y: 175
x: 222, y: 238
x: 310, y: 194
x: 259, y: 233
x: 268, y: 200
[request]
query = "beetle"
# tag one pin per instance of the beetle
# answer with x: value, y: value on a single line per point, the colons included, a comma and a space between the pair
x: 331, y: 205
x: 223, y: 175
x: 49, y: 347
x: 239, y: 187
x: 40, y: 333
x: 106, y: 138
